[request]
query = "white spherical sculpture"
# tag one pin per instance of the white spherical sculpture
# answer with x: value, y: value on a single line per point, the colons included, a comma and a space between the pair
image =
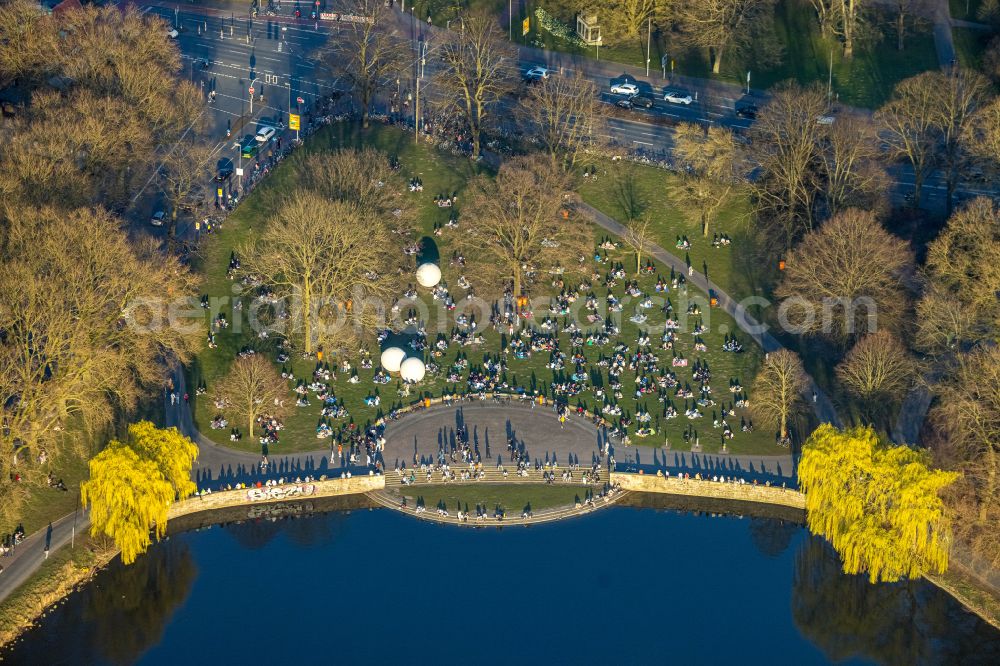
x: 412, y: 370
x: 392, y: 358
x: 428, y: 275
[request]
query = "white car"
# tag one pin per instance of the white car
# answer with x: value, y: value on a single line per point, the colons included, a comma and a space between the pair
x: 265, y: 134
x: 172, y: 33
x: 824, y: 120
x: 677, y: 97
x: 537, y: 73
x: 157, y: 219
x: 625, y: 89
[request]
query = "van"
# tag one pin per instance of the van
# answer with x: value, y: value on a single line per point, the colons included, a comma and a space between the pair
x: 265, y: 134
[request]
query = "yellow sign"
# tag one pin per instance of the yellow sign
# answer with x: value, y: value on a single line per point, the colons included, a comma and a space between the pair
x: 525, y: 26
x: 293, y: 121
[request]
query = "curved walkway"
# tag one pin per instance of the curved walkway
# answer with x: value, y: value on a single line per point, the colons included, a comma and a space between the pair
x: 537, y: 429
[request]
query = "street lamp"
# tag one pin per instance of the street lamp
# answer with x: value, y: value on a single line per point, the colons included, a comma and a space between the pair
x: 251, y: 91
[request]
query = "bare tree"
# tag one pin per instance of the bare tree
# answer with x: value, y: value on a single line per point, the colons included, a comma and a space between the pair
x: 252, y: 388
x: 629, y: 19
x: 183, y: 174
x: 565, y: 114
x: 722, y: 25
x: 777, y: 391
x: 960, y: 307
x: 85, y: 331
x: 360, y: 177
x: 842, y: 18
x: 960, y: 96
x: 967, y: 424
x: 878, y: 371
x: 520, y: 234
x: 712, y: 162
x: 638, y: 235
x: 928, y: 121
x: 847, y: 276
x: 367, y: 53
x: 336, y: 263
x: 908, y: 12
x: 479, y: 70
x: 29, y: 43
x: 849, y: 169
x: 786, y: 144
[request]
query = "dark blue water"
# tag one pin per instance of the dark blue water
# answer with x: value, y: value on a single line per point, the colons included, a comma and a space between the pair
x: 621, y: 586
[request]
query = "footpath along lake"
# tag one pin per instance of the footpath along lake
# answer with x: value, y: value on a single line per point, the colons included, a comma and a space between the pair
x: 622, y: 585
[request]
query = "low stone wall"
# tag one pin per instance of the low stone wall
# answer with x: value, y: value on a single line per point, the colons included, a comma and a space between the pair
x: 287, y: 492
x: 650, y: 483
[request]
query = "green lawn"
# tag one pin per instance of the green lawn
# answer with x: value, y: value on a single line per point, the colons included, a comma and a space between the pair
x: 44, y: 504
x: 969, y: 46
x: 442, y: 173
x: 513, y: 498
x: 866, y: 80
x: 964, y: 9
x: 644, y: 189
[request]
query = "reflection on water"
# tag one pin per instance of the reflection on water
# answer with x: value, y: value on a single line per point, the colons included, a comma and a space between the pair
x: 120, y: 615
x: 910, y: 622
x: 678, y: 579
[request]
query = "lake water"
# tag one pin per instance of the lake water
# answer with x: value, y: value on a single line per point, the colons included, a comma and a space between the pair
x: 624, y: 585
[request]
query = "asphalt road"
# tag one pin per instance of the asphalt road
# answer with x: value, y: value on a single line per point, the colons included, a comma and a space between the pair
x: 280, y: 59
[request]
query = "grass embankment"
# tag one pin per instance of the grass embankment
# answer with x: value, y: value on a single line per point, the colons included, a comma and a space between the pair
x: 64, y: 570
x: 446, y: 174
x: 513, y: 498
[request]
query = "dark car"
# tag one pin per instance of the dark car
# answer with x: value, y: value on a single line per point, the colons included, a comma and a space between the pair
x: 748, y: 111
x: 643, y: 101
x: 224, y: 170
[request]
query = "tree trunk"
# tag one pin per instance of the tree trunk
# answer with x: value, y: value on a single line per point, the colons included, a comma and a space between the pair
x: 918, y: 186
x: 704, y: 224
x: 517, y: 284
x: 900, y: 31
x: 716, y: 59
x: 784, y: 426
x: 307, y: 319
x: 251, y: 419
x: 638, y: 261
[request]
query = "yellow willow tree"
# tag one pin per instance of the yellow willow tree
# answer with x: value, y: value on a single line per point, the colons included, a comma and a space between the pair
x: 879, y: 506
x: 133, y: 483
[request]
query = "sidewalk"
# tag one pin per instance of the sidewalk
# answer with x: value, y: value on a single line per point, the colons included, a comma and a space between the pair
x: 30, y: 553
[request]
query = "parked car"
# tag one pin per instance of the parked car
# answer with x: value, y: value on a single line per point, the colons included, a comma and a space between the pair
x: 825, y: 120
x: 249, y: 146
x: 158, y: 218
x: 678, y: 97
x: 265, y: 134
x: 625, y: 89
x: 173, y: 34
x: 748, y: 111
x: 536, y: 74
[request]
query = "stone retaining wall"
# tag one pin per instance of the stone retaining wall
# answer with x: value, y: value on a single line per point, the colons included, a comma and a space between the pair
x: 649, y: 483
x: 284, y: 493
